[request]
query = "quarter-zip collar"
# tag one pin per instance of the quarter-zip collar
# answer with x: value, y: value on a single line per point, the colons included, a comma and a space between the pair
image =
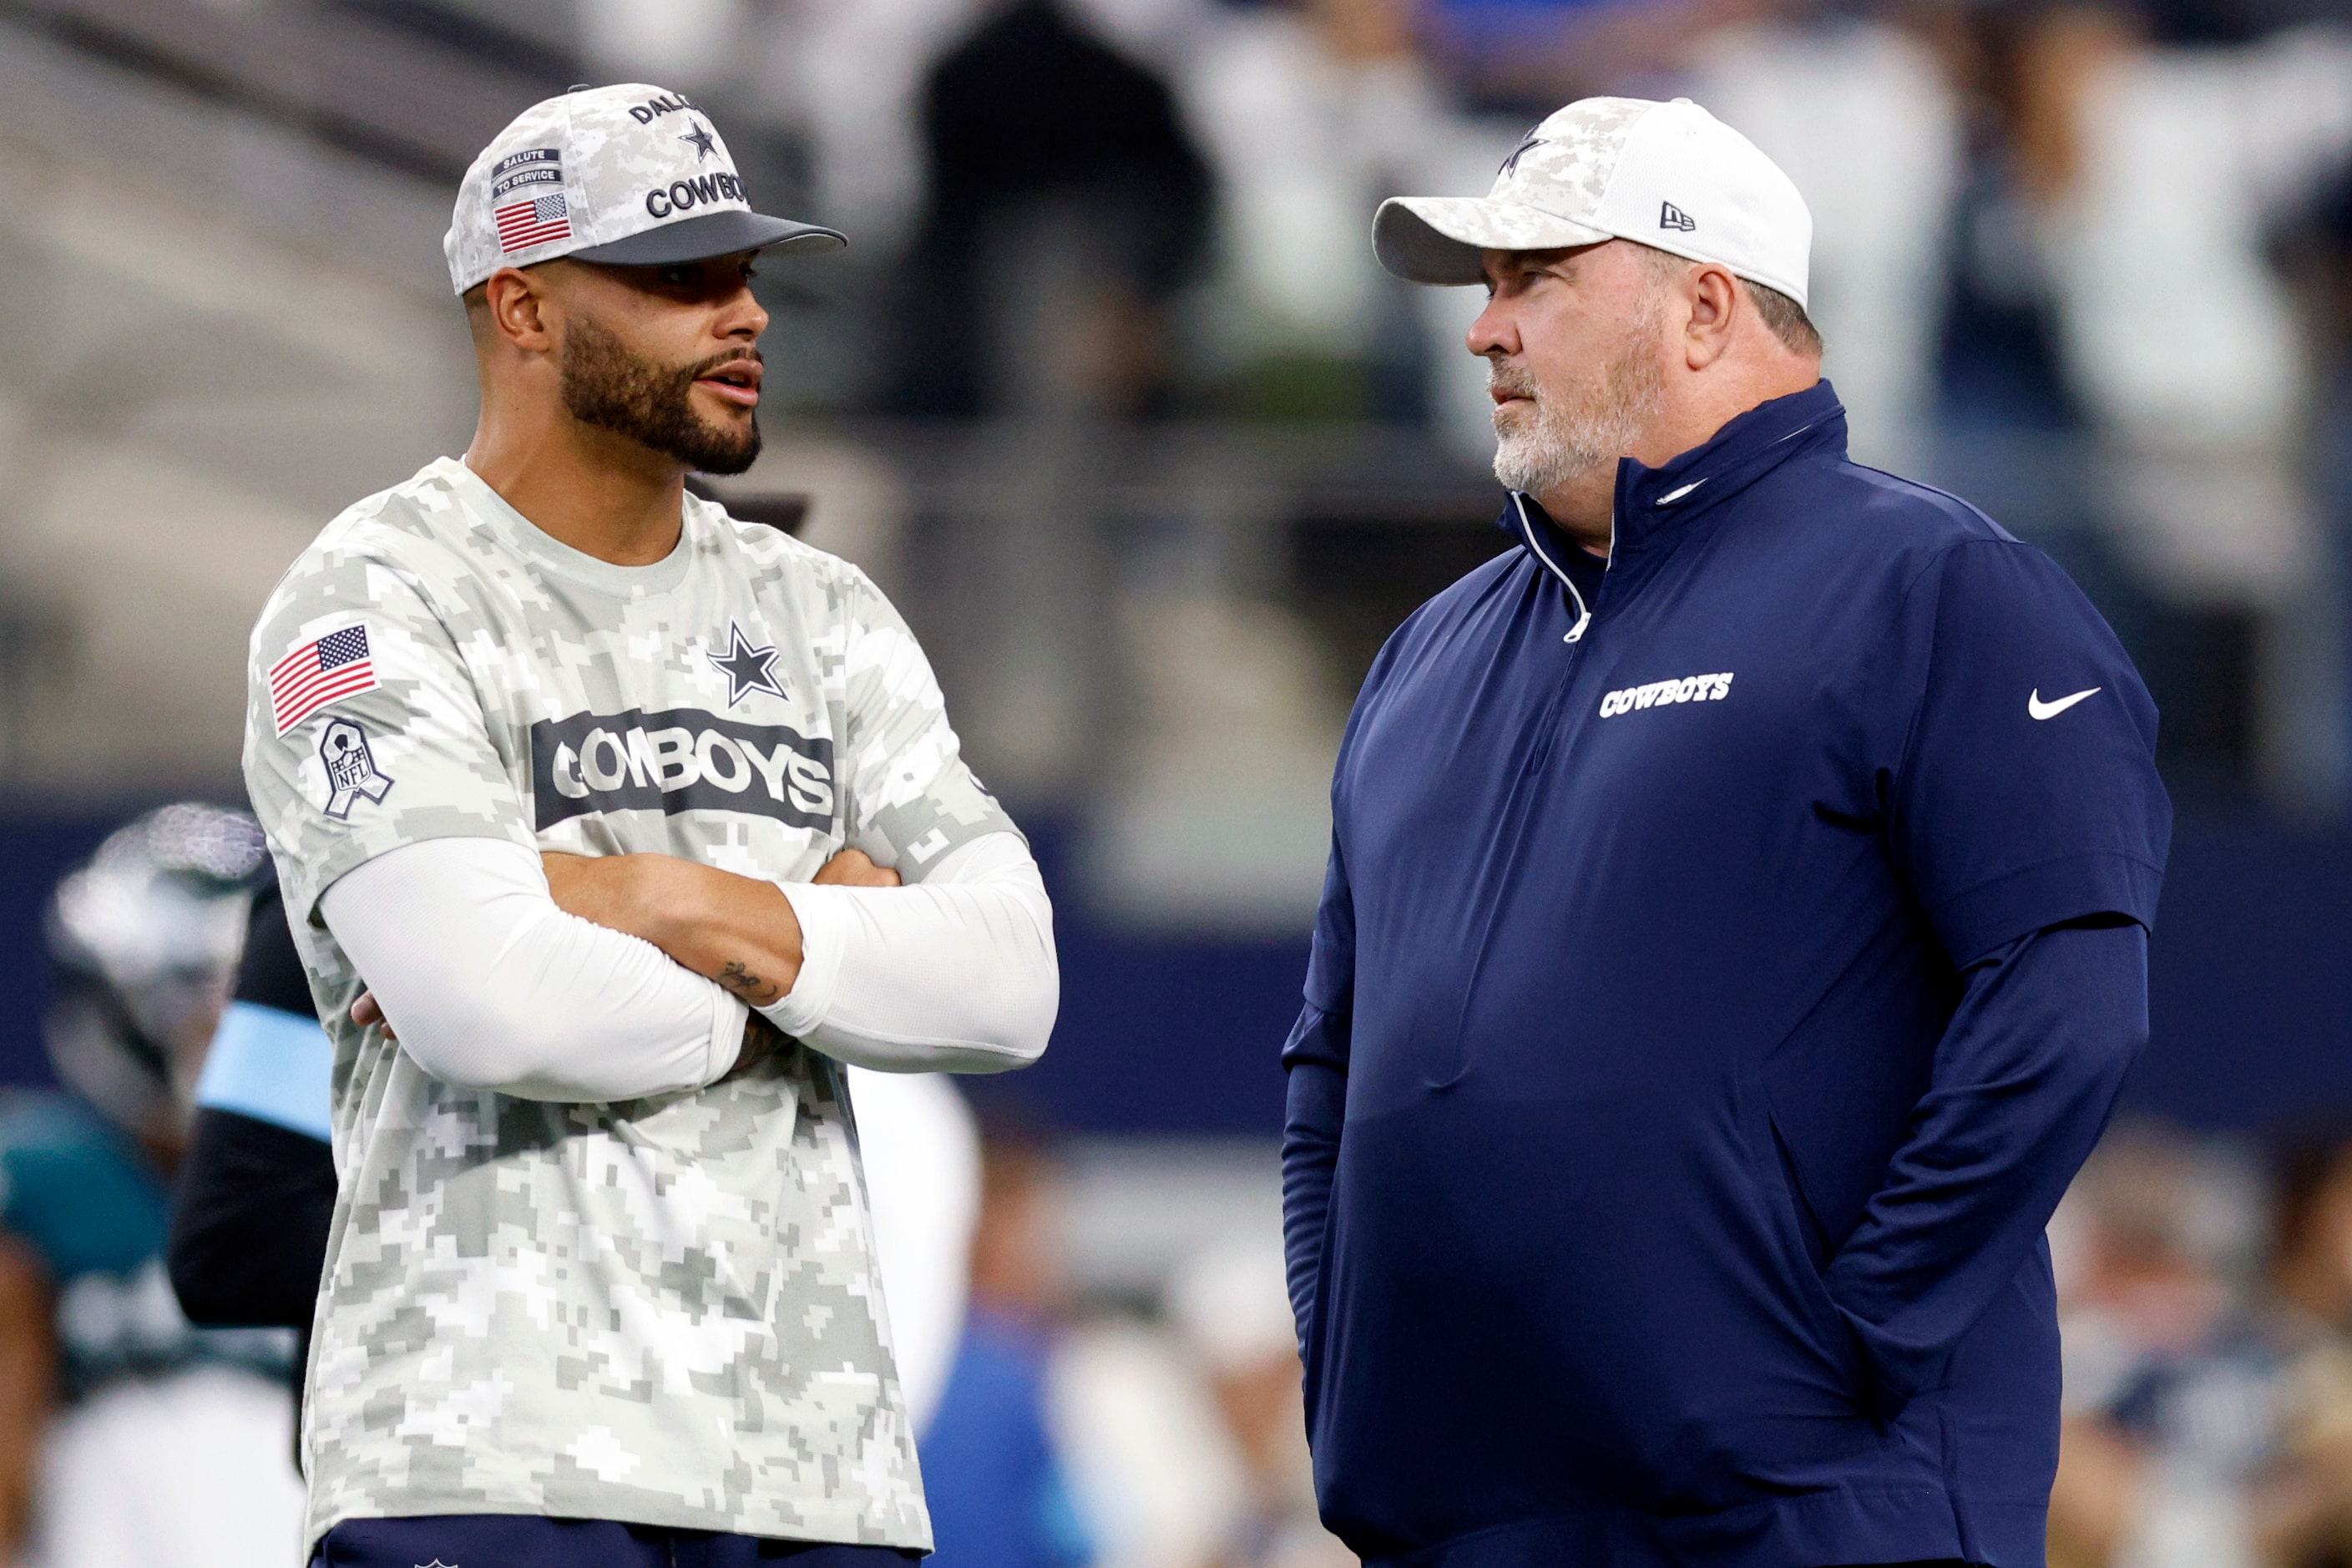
x: 1653, y: 503
x: 1575, y: 568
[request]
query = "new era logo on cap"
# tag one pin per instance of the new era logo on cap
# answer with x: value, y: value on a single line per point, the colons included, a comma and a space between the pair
x: 1673, y: 216
x: 628, y: 175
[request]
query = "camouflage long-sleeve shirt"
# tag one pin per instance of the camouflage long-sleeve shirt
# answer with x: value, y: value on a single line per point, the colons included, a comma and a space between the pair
x: 662, y: 1310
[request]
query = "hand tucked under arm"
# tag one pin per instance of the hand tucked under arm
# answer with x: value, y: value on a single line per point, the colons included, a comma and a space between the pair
x: 492, y: 986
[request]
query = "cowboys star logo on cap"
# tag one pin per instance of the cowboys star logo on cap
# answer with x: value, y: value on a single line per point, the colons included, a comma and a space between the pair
x: 631, y: 176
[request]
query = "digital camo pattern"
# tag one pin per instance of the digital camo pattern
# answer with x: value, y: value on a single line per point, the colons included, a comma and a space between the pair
x: 1564, y: 164
x: 664, y: 1310
x: 1546, y: 194
x: 602, y: 153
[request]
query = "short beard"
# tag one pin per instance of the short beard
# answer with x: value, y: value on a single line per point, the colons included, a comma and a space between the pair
x: 610, y: 385
x: 1562, y: 441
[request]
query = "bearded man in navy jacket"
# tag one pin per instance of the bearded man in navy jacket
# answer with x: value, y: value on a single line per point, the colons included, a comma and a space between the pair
x: 1735, y: 937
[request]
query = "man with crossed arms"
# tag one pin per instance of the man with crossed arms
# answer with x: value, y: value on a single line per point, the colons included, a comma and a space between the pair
x: 635, y: 823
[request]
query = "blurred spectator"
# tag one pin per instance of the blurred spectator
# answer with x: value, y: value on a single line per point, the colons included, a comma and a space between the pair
x: 853, y: 72
x: 1865, y: 119
x: 1305, y: 112
x: 2016, y: 72
x: 992, y: 1467
x: 2229, y: 21
x: 1529, y: 57
x: 1071, y: 1432
x: 1067, y: 205
x: 1311, y: 112
x: 1232, y: 1305
x: 2316, y: 253
x: 170, y: 1444
x: 2209, y: 1408
x: 2303, y: 1507
x: 2183, y: 159
x: 679, y: 43
x: 2168, y: 1382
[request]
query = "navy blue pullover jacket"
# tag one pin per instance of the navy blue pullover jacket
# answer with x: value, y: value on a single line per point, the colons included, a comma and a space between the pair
x: 1728, y: 957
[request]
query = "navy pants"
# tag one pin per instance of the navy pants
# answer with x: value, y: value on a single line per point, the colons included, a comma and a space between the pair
x: 527, y: 1541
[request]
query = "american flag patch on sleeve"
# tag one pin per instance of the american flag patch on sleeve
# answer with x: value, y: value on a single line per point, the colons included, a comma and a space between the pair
x: 336, y: 665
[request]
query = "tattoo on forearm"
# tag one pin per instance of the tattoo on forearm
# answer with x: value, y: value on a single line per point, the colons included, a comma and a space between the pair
x: 745, y: 985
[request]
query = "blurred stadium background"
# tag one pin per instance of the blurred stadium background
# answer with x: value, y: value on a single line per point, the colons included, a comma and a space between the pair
x: 1110, y: 396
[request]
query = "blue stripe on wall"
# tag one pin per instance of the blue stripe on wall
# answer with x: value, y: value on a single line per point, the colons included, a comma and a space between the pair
x: 2251, y: 992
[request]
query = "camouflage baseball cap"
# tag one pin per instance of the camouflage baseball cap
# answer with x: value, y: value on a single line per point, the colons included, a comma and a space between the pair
x: 628, y: 175
x: 1667, y: 174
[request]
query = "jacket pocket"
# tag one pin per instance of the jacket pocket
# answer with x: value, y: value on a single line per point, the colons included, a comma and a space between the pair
x: 1807, y: 1249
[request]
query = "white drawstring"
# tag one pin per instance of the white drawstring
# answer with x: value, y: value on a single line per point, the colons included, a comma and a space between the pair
x: 1528, y: 531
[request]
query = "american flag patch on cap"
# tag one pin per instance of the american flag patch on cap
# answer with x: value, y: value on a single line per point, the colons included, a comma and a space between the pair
x: 522, y: 225
x: 318, y: 673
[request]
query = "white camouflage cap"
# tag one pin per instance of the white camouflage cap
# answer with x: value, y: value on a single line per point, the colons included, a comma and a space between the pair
x: 628, y: 175
x: 1667, y: 174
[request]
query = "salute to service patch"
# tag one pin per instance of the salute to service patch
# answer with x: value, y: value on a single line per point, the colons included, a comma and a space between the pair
x: 351, y: 767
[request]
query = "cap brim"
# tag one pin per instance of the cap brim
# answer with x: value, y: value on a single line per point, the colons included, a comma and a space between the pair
x: 1437, y: 239
x: 713, y: 234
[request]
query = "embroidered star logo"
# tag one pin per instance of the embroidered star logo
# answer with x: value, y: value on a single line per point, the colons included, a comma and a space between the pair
x: 701, y: 141
x: 747, y: 669
x: 1511, y: 163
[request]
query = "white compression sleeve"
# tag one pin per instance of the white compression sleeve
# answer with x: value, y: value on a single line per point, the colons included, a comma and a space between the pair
x: 955, y: 974
x: 490, y: 985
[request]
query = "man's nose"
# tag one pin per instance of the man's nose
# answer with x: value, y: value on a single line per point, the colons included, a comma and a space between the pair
x: 1493, y: 332
x: 746, y: 317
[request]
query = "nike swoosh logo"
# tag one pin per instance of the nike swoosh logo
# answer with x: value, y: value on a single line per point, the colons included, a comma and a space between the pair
x: 2040, y: 709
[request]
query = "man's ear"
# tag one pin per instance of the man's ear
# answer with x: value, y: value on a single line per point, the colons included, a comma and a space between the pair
x: 1713, y: 296
x: 516, y: 304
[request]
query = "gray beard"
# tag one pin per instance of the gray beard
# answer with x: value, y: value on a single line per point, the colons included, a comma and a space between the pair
x: 1561, y: 442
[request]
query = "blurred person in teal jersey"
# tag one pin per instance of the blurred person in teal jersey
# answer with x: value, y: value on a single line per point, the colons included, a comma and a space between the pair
x: 128, y: 1437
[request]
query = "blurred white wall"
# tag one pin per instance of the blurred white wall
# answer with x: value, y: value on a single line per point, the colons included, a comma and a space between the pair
x: 189, y: 390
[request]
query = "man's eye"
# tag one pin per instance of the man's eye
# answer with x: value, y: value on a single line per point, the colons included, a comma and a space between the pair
x: 677, y: 277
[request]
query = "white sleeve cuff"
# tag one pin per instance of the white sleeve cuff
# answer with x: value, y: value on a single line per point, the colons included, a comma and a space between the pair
x: 823, y: 926
x: 955, y: 974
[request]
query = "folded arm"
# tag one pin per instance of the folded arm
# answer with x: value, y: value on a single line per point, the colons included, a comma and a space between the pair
x: 492, y: 986
x: 956, y: 974
x: 2022, y: 1083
